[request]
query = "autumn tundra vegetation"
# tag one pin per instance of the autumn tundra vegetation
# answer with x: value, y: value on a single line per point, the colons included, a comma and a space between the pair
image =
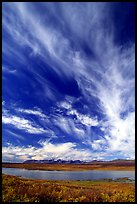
x: 16, y: 189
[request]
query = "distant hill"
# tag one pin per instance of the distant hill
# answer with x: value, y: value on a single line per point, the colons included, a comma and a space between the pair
x: 52, y: 161
x: 59, y: 161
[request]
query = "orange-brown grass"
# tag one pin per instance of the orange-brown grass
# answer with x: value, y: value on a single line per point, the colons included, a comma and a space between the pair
x: 127, y: 165
x: 15, y: 189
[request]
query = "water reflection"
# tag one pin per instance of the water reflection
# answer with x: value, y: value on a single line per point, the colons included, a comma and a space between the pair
x: 69, y: 175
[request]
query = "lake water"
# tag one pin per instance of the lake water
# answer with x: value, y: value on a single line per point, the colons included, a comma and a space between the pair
x: 69, y: 175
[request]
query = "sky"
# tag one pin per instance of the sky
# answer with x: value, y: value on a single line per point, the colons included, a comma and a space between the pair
x: 68, y: 81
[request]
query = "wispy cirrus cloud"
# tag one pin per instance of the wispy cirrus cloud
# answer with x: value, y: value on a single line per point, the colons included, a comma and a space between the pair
x: 32, y: 112
x: 88, y: 54
x: 15, y: 135
x: 9, y: 70
x: 23, y: 124
x: 69, y: 126
x: 20, y: 122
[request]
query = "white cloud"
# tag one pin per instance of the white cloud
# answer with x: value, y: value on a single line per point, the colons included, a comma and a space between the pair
x: 84, y: 119
x: 3, y: 103
x: 44, y: 41
x: 77, y: 130
x: 69, y: 126
x: 113, y: 85
x: 33, y: 112
x: 63, y: 123
x: 96, y: 144
x: 65, y: 105
x: 48, y: 150
x: 22, y: 124
x: 123, y: 135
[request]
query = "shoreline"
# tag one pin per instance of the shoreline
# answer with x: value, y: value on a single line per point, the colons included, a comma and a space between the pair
x: 118, y: 180
x: 69, y: 167
x: 95, y: 169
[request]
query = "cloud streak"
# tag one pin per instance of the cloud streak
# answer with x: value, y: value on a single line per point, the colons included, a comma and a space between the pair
x: 22, y: 124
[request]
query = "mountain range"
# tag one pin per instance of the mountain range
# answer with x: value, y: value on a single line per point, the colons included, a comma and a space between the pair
x: 60, y: 161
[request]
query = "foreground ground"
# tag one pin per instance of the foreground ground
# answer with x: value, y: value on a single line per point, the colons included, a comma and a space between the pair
x: 15, y: 189
x: 113, y: 165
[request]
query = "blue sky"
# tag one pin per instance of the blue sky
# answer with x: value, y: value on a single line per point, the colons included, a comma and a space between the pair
x: 68, y: 81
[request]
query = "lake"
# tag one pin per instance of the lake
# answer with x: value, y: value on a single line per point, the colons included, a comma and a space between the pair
x: 69, y: 175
